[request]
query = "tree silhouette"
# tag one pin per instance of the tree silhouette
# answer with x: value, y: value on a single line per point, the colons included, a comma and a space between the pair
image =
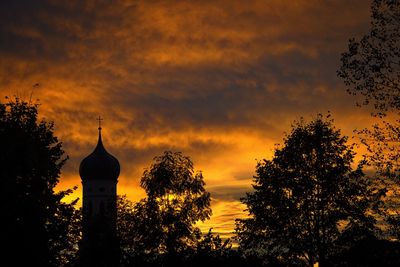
x: 371, y: 68
x: 207, y: 249
x: 130, y: 229
x: 36, y: 224
x: 305, y: 197
x: 211, y: 250
x: 163, y: 224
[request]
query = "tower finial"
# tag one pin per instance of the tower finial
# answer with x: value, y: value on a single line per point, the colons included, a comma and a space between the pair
x: 99, y: 119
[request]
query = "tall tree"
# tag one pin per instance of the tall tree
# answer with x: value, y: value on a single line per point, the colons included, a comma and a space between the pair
x: 371, y: 68
x: 176, y: 200
x: 36, y: 223
x: 305, y: 197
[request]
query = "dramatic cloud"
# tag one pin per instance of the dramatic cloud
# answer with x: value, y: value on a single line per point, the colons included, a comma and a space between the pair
x: 220, y: 81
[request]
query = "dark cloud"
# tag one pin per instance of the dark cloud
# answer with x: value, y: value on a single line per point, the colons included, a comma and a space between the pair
x: 245, y: 175
x: 228, y: 192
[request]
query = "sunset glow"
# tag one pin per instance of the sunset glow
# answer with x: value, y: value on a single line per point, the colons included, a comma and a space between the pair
x: 220, y: 81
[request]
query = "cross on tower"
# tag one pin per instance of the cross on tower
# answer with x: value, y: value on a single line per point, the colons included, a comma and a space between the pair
x: 99, y: 119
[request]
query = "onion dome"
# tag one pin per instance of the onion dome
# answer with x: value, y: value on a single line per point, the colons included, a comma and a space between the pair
x: 99, y: 165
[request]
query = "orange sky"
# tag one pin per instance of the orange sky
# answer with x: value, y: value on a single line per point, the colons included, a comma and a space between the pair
x: 220, y: 81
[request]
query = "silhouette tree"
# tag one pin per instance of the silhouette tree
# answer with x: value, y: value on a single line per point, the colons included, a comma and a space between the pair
x: 163, y: 223
x: 211, y: 250
x: 370, y: 252
x: 305, y: 197
x: 130, y: 235
x: 371, y: 68
x: 37, y: 226
x: 207, y: 249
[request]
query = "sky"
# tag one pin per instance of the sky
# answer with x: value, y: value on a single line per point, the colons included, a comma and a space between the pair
x: 220, y: 81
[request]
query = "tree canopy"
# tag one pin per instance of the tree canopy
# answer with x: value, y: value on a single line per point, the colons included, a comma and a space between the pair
x: 371, y: 66
x: 305, y: 197
x: 36, y: 224
x: 164, y: 221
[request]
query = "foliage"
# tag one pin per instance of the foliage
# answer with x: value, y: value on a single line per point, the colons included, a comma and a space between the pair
x: 162, y: 225
x: 126, y: 227
x: 37, y: 224
x: 306, y: 197
x: 369, y: 252
x: 371, y: 66
x: 394, y: 222
x: 176, y: 201
x: 210, y: 244
x: 209, y: 248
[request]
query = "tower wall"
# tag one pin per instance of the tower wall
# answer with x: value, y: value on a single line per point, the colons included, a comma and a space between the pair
x: 99, y: 241
x: 99, y: 198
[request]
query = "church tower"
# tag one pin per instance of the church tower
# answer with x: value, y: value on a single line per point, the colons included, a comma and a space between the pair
x: 99, y: 172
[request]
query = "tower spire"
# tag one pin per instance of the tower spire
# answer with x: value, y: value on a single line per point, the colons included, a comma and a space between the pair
x: 99, y: 119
